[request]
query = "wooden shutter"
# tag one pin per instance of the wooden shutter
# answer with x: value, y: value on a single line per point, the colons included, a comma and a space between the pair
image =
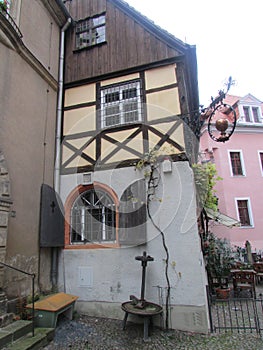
x: 51, y: 218
x: 132, y: 209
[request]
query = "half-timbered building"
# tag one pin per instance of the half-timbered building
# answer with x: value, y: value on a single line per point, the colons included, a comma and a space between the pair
x: 129, y: 108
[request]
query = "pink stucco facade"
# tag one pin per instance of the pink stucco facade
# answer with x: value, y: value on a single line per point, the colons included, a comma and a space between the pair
x: 247, y: 142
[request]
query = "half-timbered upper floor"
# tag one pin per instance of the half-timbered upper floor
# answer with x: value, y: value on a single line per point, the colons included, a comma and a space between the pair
x: 129, y: 87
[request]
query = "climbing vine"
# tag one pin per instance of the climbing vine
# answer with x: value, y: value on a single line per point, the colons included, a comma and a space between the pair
x: 206, y: 177
x: 150, y: 163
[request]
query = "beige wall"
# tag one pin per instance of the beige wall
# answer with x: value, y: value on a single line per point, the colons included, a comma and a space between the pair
x: 162, y: 100
x: 42, y: 33
x: 27, y: 136
x: 161, y: 76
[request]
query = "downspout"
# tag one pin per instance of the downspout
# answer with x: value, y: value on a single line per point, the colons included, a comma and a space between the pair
x: 54, y: 252
x: 59, y: 106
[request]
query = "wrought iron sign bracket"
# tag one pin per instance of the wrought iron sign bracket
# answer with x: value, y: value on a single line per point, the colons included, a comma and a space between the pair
x: 221, y: 117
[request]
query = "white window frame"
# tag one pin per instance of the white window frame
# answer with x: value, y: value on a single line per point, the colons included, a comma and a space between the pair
x: 241, y: 160
x: 120, y: 103
x: 249, y: 211
x: 85, y: 225
x: 260, y: 163
x: 250, y: 111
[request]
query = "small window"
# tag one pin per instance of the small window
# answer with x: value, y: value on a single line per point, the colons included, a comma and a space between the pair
x: 93, y: 218
x: 261, y: 161
x: 244, y: 212
x: 251, y: 114
x: 121, y: 104
x: 255, y: 112
x: 236, y: 163
x: 246, y: 114
x: 90, y: 32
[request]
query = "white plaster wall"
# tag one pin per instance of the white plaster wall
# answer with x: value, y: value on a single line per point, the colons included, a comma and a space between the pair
x: 112, y: 275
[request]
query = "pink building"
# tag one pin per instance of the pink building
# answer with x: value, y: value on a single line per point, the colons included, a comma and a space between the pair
x: 239, y: 162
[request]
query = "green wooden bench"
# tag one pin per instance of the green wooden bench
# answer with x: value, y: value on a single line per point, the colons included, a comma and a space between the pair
x: 48, y: 309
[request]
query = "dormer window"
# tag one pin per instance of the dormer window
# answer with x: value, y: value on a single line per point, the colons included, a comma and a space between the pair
x: 90, y: 32
x: 255, y: 114
x: 250, y: 114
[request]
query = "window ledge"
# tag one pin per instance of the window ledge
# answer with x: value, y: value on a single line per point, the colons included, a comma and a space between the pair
x: 246, y: 227
x: 92, y: 246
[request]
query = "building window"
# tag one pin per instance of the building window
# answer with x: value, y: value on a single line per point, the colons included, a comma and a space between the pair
x: 244, y: 214
x: 255, y: 113
x: 93, y: 218
x: 251, y: 114
x: 90, y: 32
x: 246, y: 114
x: 236, y: 163
x: 261, y: 161
x: 121, y: 104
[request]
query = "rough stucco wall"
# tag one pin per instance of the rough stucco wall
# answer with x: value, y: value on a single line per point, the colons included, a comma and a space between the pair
x: 44, y: 42
x: 27, y: 139
x: 110, y: 276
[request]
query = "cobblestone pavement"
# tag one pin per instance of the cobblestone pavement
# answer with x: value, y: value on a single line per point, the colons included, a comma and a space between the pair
x: 91, y: 333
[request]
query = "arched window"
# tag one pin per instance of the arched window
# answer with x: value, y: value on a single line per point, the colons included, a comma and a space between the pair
x: 93, y: 218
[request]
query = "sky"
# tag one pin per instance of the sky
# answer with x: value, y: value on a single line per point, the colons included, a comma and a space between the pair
x: 228, y: 35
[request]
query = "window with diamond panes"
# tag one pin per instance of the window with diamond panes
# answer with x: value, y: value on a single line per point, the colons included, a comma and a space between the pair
x: 90, y: 32
x: 93, y: 218
x: 121, y: 104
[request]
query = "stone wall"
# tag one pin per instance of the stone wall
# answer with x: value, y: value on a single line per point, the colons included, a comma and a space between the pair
x: 5, y: 204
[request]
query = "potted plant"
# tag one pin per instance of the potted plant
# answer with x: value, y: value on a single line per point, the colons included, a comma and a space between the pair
x: 219, y: 261
x: 3, y: 6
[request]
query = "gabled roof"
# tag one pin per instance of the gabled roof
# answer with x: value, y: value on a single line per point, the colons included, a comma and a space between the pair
x: 232, y: 100
x: 250, y: 98
x: 151, y: 26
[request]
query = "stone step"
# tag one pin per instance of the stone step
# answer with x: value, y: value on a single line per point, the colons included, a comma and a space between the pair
x: 42, y: 337
x: 14, y: 331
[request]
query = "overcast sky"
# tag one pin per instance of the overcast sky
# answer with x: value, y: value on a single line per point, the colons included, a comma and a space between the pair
x: 228, y: 35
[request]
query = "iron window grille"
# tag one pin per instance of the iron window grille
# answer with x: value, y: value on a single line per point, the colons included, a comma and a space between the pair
x: 90, y: 32
x: 93, y: 218
x: 121, y: 104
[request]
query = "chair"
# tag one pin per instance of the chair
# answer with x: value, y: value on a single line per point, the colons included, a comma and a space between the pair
x: 258, y: 267
x: 244, y: 280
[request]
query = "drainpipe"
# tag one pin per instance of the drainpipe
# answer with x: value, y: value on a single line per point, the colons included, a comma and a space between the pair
x: 54, y: 252
x: 59, y: 106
